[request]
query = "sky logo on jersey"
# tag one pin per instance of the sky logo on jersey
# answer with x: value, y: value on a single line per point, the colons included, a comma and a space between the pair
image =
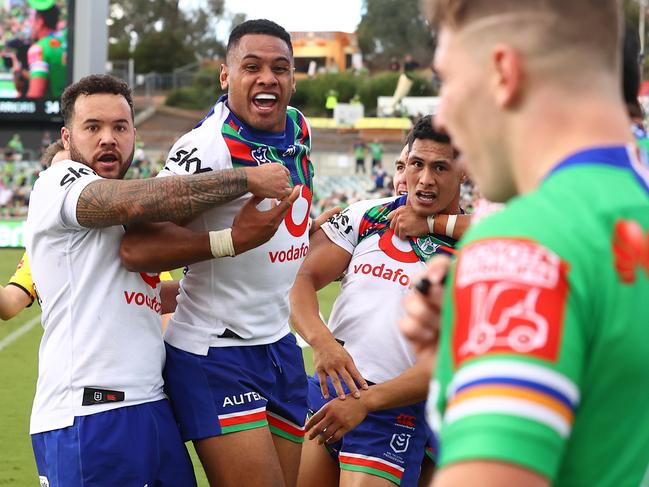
x: 397, y: 249
x: 510, y: 298
x: 630, y: 250
x: 73, y: 174
x: 297, y: 218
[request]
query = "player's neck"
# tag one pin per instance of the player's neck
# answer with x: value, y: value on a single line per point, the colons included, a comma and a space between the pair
x: 46, y: 32
x: 453, y: 208
x: 562, y: 129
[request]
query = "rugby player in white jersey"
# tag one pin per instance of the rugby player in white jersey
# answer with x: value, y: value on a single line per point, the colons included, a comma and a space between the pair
x: 100, y: 416
x: 378, y: 437
x: 234, y: 372
x: 405, y: 222
x: 19, y: 293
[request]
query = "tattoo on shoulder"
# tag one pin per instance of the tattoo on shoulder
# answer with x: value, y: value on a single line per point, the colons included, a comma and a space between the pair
x: 107, y: 202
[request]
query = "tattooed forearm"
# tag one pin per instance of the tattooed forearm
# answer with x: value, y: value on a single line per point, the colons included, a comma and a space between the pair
x: 175, y: 198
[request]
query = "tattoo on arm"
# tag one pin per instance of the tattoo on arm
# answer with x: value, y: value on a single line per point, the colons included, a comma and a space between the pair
x: 110, y: 202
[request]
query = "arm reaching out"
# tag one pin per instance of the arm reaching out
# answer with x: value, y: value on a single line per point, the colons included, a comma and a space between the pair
x: 12, y: 301
x: 323, y: 264
x: 153, y: 247
x: 406, y: 223
x: 337, y: 418
x: 109, y: 202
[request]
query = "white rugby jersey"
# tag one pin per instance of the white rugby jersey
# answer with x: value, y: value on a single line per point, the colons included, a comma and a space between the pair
x: 365, y: 316
x: 242, y: 300
x: 102, y: 342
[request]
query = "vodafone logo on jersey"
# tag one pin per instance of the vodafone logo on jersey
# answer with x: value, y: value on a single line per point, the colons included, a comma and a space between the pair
x: 151, y: 279
x: 383, y: 272
x: 510, y: 297
x: 142, y: 299
x: 297, y: 217
x: 396, y: 248
x: 297, y: 222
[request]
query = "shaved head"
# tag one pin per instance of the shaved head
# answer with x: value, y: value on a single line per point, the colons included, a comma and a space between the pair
x: 588, y: 29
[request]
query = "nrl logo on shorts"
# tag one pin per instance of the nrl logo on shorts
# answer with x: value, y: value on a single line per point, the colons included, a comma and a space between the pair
x: 426, y: 245
x: 260, y: 154
x: 44, y: 482
x: 400, y: 442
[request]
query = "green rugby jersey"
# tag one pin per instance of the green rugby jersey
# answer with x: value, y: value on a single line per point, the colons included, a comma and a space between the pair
x: 544, y: 349
x: 47, y: 59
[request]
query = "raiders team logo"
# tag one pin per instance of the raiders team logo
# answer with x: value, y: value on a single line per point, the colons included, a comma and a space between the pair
x: 260, y: 154
x: 400, y: 442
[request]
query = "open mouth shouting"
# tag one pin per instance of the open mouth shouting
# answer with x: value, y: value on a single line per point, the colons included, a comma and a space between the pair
x: 426, y: 198
x: 265, y: 102
x: 108, y: 159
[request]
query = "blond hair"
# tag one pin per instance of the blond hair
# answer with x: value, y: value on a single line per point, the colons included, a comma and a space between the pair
x: 589, y: 27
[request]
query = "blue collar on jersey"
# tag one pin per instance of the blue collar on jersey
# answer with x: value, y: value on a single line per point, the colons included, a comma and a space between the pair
x: 274, y: 139
x: 621, y: 157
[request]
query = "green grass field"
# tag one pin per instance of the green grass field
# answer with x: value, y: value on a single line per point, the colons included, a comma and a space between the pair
x: 18, y: 371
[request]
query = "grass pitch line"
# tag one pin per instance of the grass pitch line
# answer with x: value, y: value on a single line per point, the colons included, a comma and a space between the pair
x: 12, y: 337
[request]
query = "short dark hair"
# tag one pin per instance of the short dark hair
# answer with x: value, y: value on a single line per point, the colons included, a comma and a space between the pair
x: 50, y: 16
x: 93, y: 85
x: 258, y: 26
x: 424, y: 128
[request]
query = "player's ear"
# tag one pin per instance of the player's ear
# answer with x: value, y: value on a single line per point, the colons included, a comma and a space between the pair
x: 65, y: 137
x: 223, y: 77
x: 508, y: 75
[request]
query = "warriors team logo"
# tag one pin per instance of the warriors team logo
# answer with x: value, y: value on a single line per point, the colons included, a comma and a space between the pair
x: 297, y: 218
x: 151, y: 279
x: 396, y: 248
x: 400, y: 442
x: 427, y: 246
x: 260, y: 154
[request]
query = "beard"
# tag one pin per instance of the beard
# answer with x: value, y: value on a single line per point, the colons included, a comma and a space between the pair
x: 77, y: 156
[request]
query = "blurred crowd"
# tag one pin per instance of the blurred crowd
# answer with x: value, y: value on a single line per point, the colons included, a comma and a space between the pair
x: 19, y: 169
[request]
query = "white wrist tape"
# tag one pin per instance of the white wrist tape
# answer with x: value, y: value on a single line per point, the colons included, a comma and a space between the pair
x: 221, y: 243
x: 450, y: 225
x: 431, y: 223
